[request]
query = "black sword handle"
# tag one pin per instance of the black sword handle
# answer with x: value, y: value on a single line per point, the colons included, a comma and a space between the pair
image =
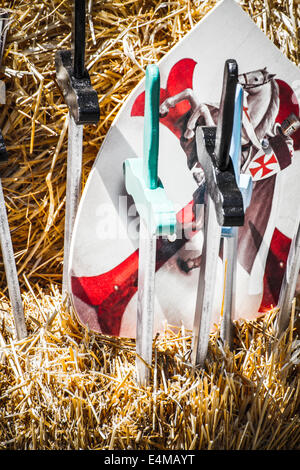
x: 71, y: 75
x: 226, y: 115
x: 213, y: 151
x: 78, y: 38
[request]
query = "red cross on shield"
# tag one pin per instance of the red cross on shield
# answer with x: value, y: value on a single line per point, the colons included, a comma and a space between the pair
x: 263, y: 166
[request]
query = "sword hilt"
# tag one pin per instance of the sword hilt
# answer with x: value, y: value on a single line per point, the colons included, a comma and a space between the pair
x: 72, y: 77
x: 213, y: 150
x: 141, y: 174
x: 244, y: 181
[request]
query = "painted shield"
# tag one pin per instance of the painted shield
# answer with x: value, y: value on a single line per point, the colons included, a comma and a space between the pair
x: 104, y: 249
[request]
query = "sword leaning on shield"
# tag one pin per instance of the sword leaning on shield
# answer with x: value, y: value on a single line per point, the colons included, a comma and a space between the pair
x: 218, y: 152
x: 82, y: 101
x: 5, y: 237
x: 227, y: 194
x: 157, y: 218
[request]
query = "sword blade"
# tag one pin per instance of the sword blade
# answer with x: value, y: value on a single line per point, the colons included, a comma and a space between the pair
x: 288, y: 287
x: 206, y: 284
x: 11, y: 271
x: 230, y: 261
x: 4, y: 25
x: 73, y: 191
x: 5, y: 236
x: 145, y: 303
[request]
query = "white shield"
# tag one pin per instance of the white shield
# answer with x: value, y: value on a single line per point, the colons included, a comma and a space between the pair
x: 104, y: 257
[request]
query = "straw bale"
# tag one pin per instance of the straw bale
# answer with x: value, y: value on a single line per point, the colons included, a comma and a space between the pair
x: 62, y: 387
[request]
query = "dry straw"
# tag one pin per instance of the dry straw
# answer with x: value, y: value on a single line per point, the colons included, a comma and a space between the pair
x: 63, y: 388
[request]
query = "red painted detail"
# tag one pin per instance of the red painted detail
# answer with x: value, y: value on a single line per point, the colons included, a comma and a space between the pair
x: 180, y: 78
x: 111, y: 292
x: 275, y: 269
x: 246, y: 112
x: 186, y: 215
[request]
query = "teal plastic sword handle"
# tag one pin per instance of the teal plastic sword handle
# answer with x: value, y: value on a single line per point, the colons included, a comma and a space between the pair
x: 141, y: 174
x: 151, y: 127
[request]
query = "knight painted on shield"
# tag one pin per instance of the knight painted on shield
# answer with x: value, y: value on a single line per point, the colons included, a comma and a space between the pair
x: 267, y: 149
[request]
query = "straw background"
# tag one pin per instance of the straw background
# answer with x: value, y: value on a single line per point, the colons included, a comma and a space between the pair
x: 63, y: 388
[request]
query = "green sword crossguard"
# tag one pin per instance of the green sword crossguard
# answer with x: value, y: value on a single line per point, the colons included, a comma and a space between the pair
x: 141, y: 174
